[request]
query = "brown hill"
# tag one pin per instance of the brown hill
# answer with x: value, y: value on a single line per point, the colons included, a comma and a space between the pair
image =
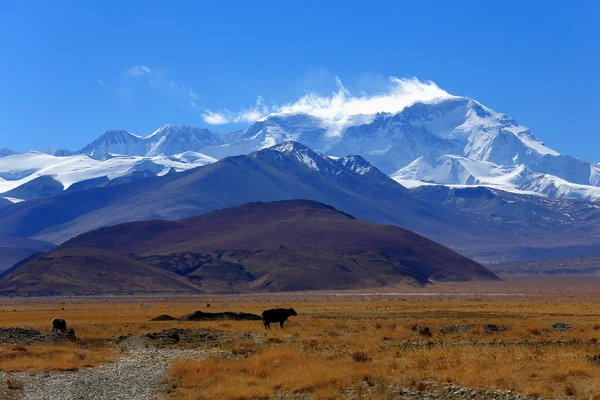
x: 277, y: 246
x: 89, y: 271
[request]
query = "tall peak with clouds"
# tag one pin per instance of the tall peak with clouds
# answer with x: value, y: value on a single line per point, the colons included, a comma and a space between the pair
x: 413, y: 130
x: 340, y: 109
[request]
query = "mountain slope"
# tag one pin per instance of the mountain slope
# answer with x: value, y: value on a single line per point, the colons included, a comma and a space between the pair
x: 263, y: 176
x: 89, y: 271
x: 42, y: 186
x: 280, y: 246
x: 293, y: 171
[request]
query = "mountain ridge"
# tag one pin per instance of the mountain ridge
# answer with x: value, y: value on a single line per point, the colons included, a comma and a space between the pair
x: 393, y: 142
x: 350, y: 184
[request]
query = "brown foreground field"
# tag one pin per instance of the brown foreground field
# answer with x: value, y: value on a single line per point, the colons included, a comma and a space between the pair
x: 358, y: 343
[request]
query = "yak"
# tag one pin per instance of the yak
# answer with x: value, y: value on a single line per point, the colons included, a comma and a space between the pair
x: 277, y: 315
x: 59, y: 324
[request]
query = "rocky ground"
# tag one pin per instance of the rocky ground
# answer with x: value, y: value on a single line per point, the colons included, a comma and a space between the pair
x: 140, y: 371
x: 138, y: 374
x: 433, y: 391
x: 14, y: 335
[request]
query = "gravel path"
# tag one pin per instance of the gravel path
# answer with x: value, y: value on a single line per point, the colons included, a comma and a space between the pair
x: 138, y: 375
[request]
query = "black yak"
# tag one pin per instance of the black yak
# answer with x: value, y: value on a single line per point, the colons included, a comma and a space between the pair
x: 59, y: 324
x: 277, y: 315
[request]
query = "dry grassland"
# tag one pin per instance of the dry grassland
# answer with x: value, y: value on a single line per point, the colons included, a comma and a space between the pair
x: 57, y: 357
x: 335, y: 345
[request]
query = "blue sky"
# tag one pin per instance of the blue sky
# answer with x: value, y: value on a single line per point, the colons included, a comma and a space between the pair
x: 73, y: 69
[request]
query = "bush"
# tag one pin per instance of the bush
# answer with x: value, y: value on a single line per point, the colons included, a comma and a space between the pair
x: 425, y: 331
x: 360, y: 356
x: 570, y: 390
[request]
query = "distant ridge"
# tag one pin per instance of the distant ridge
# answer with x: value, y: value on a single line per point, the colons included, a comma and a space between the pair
x: 276, y: 246
x: 483, y: 223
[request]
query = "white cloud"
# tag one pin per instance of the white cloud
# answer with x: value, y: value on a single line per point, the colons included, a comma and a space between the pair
x: 101, y: 82
x: 138, y: 70
x: 215, y: 118
x: 337, y: 110
x: 248, y: 115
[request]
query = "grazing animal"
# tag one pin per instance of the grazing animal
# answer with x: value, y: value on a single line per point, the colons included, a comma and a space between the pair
x: 59, y: 324
x: 277, y: 315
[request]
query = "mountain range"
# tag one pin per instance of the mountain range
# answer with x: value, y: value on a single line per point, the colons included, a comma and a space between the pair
x: 278, y: 246
x: 486, y: 224
x: 454, y: 141
x: 452, y: 170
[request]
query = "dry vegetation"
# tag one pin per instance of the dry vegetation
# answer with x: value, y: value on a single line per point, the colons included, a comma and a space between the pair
x: 331, y: 347
x: 335, y: 345
x: 58, y: 357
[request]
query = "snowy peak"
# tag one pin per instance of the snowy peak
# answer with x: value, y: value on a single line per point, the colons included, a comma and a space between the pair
x: 301, y: 159
x: 292, y: 147
x: 116, y: 142
x: 356, y: 164
x: 167, y: 140
x: 300, y: 153
x: 158, y: 132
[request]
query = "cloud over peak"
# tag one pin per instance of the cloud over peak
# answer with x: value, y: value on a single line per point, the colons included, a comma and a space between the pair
x: 337, y: 109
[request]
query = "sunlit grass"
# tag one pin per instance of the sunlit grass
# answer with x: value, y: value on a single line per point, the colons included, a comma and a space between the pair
x: 331, y: 346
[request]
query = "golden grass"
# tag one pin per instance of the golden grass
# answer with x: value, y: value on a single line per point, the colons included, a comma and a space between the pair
x: 57, y: 357
x: 275, y: 369
x: 333, y: 345
x: 330, y: 347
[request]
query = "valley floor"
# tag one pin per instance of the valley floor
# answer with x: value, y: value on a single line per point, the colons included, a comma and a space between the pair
x: 521, y: 338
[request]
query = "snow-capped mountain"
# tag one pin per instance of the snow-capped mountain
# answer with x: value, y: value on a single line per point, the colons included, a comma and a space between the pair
x: 450, y: 141
x: 485, y: 223
x: 167, y: 140
x: 21, y: 169
x: 454, y: 126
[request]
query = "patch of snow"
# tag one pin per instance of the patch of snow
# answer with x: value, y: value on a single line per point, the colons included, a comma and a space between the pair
x: 13, y: 199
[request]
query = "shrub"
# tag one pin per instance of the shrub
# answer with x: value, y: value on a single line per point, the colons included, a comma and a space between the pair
x: 360, y: 356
